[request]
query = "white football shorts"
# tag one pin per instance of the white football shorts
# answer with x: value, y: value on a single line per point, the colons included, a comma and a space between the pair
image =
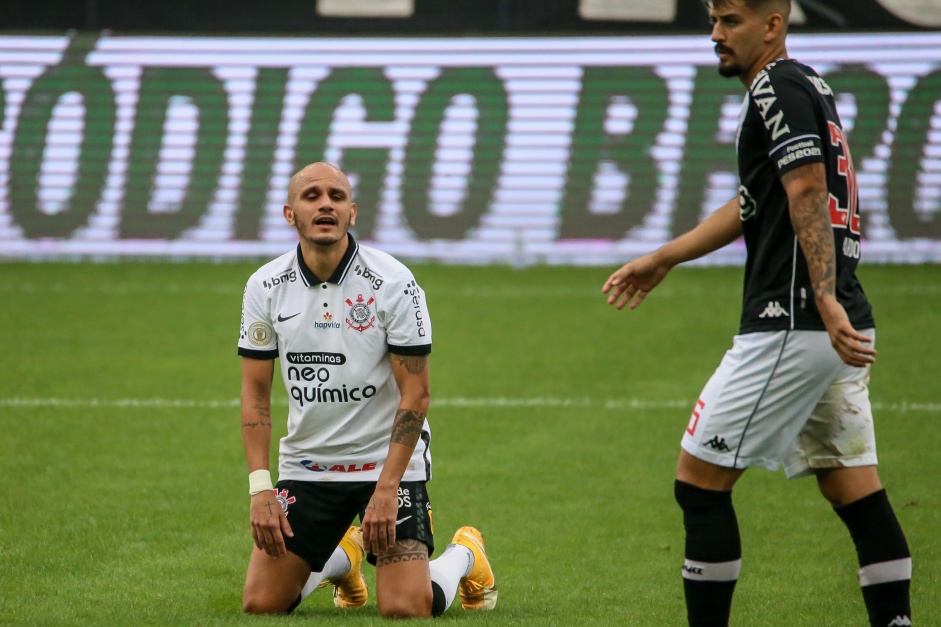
x: 784, y: 398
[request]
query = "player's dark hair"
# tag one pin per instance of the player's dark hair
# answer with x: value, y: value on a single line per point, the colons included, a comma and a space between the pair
x: 759, y: 6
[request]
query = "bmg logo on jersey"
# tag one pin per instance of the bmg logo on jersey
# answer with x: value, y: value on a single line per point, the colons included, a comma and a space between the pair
x: 369, y: 275
x: 287, y: 277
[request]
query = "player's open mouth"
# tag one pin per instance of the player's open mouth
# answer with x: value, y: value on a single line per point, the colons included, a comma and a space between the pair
x: 325, y: 221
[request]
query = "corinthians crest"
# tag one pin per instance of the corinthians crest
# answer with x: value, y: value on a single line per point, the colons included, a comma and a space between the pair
x: 360, y: 317
x: 283, y: 499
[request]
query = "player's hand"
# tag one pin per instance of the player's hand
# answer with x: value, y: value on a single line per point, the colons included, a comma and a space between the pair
x: 379, y: 521
x: 269, y: 524
x: 851, y: 345
x: 634, y: 280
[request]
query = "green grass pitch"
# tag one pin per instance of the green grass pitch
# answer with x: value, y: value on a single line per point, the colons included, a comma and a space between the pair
x: 556, y: 425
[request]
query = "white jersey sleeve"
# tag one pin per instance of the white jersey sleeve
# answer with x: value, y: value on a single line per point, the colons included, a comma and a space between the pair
x: 257, y: 337
x: 408, y: 324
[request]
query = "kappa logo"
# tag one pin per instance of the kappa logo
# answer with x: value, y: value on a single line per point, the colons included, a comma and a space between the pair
x: 901, y: 621
x: 284, y: 500
x: 717, y: 444
x: 360, y: 317
x: 774, y: 310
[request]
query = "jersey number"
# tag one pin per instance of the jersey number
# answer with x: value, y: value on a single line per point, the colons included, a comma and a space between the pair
x: 848, y: 216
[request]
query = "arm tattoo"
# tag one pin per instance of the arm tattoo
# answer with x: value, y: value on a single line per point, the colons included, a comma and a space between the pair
x: 414, y: 364
x: 811, y: 220
x: 263, y: 411
x: 403, y: 551
x: 256, y: 424
x: 407, y: 427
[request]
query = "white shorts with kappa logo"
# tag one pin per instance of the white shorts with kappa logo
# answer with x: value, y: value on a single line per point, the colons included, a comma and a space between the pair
x: 784, y: 398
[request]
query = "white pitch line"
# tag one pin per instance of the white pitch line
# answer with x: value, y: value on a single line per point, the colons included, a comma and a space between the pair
x: 116, y: 402
x: 486, y: 292
x: 549, y: 402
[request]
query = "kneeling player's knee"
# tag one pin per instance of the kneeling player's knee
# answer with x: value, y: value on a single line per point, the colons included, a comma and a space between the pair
x: 252, y: 605
x: 413, y: 606
x: 260, y: 604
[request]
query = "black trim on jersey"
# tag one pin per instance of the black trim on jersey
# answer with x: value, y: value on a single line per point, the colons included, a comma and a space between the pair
x: 426, y: 438
x: 792, y: 311
x: 424, y: 349
x: 311, y: 280
x: 738, y: 449
x: 255, y: 354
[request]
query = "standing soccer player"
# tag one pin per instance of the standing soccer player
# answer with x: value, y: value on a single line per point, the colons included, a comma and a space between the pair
x: 793, y: 389
x: 352, y: 330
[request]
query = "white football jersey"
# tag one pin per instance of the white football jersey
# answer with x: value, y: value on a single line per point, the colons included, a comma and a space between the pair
x: 334, y: 339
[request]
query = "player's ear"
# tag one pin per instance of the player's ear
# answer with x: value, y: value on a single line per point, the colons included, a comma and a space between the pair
x: 289, y: 214
x: 352, y: 214
x: 774, y: 27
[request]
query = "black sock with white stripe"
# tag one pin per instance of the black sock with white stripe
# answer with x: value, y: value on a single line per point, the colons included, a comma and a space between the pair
x: 713, y: 554
x: 885, y: 563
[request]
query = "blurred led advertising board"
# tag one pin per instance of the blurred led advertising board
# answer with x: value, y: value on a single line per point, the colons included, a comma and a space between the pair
x: 524, y: 150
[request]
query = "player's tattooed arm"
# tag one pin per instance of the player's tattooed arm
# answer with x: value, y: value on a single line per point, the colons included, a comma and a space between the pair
x: 411, y: 376
x: 810, y: 216
x: 414, y: 364
x: 255, y: 411
x: 406, y: 429
x: 808, y: 199
x: 262, y: 414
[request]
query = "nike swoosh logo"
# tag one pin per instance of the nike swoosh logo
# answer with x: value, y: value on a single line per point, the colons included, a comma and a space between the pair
x: 283, y: 318
x: 402, y: 520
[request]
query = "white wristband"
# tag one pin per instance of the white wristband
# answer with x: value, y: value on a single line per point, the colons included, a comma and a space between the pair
x: 259, y: 481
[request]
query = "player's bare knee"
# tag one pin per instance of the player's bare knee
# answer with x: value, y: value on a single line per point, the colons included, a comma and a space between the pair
x: 414, y: 606
x: 842, y: 486
x: 406, y: 603
x: 254, y: 603
x: 259, y: 605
